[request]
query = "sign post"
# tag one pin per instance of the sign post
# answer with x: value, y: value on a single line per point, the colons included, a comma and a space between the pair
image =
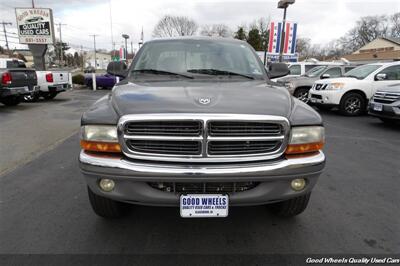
x: 36, y: 28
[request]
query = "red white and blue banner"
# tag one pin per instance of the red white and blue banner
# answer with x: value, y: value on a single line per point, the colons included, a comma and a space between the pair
x: 275, y: 36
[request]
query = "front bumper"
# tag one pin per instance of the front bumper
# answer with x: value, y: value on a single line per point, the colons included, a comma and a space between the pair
x: 324, y: 97
x: 131, y: 178
x: 391, y: 111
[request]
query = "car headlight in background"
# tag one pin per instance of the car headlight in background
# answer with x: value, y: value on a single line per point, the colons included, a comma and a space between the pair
x: 304, y: 140
x: 100, y: 138
x: 335, y: 86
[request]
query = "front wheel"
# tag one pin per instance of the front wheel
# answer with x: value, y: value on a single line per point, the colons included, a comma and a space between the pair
x: 291, y: 207
x: 352, y: 104
x: 11, y: 101
x: 302, y: 94
x: 105, y: 207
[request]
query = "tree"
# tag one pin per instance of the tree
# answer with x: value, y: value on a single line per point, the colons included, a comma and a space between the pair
x: 395, y: 25
x: 241, y: 34
x: 254, y: 39
x: 1, y: 50
x: 170, y: 26
x: 303, y: 47
x: 218, y: 30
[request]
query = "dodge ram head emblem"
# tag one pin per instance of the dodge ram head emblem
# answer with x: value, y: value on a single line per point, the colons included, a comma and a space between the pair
x: 204, y: 100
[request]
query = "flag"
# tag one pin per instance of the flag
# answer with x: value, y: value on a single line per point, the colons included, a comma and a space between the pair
x: 275, y: 38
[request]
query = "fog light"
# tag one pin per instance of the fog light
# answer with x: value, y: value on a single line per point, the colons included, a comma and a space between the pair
x: 106, y: 185
x: 298, y: 184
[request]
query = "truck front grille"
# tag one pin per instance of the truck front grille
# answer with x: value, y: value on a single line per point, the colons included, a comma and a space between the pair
x: 165, y: 147
x: 243, y: 129
x: 164, y: 128
x: 203, y: 138
x: 241, y: 147
x: 386, y: 97
x: 208, y: 187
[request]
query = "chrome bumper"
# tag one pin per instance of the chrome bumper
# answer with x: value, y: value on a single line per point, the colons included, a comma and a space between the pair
x: 257, y: 171
x: 131, y: 178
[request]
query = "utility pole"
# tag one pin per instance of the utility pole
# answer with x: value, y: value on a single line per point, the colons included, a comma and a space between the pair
x: 82, y: 62
x: 131, y: 47
x: 33, y: 3
x: 61, y: 44
x: 95, y: 56
x: 5, y: 34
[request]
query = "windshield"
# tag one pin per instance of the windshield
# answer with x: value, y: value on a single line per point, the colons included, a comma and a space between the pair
x: 362, y: 72
x: 316, y: 71
x: 197, y: 58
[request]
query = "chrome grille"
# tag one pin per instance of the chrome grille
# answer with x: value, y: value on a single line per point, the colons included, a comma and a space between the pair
x: 386, y: 97
x: 164, y: 128
x: 203, y: 138
x: 243, y: 129
x: 165, y: 147
x: 241, y: 147
x: 208, y: 187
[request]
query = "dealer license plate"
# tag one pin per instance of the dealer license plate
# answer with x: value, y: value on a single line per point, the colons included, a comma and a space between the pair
x: 378, y: 107
x: 204, y: 205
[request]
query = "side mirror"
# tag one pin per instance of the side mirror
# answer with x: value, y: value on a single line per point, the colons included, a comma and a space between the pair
x: 325, y: 76
x: 118, y: 68
x: 380, y: 76
x: 277, y: 70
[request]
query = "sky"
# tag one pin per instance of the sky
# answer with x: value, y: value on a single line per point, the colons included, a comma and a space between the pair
x: 319, y: 20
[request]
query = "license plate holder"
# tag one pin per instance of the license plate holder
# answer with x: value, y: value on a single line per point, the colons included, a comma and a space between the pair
x: 204, y: 205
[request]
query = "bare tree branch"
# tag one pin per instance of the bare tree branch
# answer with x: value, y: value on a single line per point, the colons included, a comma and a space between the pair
x: 170, y: 26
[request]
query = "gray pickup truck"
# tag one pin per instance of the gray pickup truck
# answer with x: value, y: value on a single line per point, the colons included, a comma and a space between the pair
x: 17, y: 81
x: 300, y: 86
x: 197, y: 124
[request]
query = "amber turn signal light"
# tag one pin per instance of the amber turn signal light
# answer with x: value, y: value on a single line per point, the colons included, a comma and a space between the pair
x: 304, y: 148
x: 100, y: 146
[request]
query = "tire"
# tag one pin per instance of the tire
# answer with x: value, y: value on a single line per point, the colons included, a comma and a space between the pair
x: 302, y: 94
x: 352, y: 104
x: 11, y: 101
x: 105, y: 207
x: 291, y: 207
x: 49, y: 95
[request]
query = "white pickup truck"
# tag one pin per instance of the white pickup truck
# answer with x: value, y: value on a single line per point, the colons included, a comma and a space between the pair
x: 51, y: 83
x: 352, y: 92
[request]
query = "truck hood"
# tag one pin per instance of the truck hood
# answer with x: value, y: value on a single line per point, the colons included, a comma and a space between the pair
x: 249, y: 97
x: 343, y: 79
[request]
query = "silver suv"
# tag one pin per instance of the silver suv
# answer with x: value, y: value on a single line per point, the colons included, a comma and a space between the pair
x: 385, y: 104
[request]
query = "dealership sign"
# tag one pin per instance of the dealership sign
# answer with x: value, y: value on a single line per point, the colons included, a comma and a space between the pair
x: 35, y: 25
x: 289, y: 39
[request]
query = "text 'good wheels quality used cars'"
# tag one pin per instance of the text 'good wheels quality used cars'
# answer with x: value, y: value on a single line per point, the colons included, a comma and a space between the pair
x: 196, y: 124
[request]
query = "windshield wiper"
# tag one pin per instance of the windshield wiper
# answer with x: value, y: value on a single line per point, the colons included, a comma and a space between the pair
x: 217, y: 72
x: 161, y: 72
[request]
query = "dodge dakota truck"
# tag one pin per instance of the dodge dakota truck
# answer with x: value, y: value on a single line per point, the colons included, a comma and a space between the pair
x: 196, y: 124
x: 17, y: 81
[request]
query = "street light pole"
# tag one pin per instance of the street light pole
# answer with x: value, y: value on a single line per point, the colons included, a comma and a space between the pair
x: 284, y: 5
x: 126, y: 37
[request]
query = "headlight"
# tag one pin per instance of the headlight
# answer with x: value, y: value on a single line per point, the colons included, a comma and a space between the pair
x: 306, y: 139
x: 335, y: 86
x: 289, y: 85
x: 100, y: 138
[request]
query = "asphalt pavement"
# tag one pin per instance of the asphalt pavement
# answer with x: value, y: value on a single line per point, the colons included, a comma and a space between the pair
x: 44, y: 208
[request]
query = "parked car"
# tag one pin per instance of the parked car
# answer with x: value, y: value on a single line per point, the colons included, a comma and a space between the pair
x: 299, y: 86
x: 105, y: 81
x: 16, y: 81
x: 352, y: 92
x: 89, y: 69
x: 50, y: 83
x: 385, y: 104
x: 197, y: 124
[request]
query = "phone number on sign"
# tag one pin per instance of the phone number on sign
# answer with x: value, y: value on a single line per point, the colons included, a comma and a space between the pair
x: 36, y: 40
